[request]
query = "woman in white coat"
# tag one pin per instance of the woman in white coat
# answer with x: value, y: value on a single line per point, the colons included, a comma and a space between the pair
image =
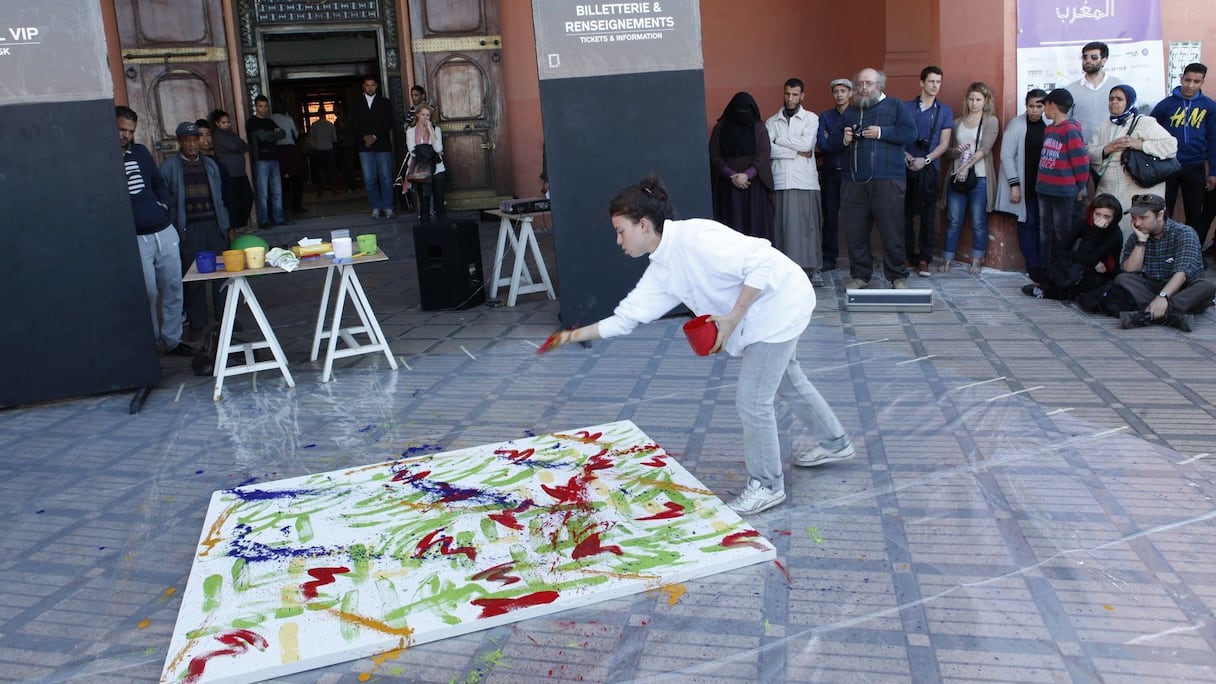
x: 1106, y: 149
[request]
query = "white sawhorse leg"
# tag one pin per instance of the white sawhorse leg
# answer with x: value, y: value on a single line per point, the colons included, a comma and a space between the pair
x: 238, y: 287
x: 521, y: 245
x: 348, y: 287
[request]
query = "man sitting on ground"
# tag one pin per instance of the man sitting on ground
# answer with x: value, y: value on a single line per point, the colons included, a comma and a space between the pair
x: 1162, y: 268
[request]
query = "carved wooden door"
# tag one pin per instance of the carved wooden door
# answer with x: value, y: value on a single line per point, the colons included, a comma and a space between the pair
x: 457, y: 58
x: 175, y: 62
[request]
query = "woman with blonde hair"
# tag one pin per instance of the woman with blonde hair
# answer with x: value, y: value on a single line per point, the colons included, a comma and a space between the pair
x: 972, y: 187
x: 424, y: 141
x: 1127, y: 130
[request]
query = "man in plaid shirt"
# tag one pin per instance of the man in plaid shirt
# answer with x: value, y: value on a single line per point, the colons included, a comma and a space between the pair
x: 1162, y: 268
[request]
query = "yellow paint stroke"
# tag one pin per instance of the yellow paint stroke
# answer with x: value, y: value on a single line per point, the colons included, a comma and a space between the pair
x: 143, y: 624
x: 672, y: 486
x: 674, y: 592
x: 289, y: 642
x: 372, y: 623
x: 365, y: 676
x: 387, y: 656
x: 170, y: 591
x: 383, y: 464
x: 213, y: 537
x: 1108, y: 607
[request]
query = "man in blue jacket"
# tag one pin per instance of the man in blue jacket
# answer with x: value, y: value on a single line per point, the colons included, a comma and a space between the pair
x: 157, y: 238
x: 873, y: 134
x: 1190, y: 116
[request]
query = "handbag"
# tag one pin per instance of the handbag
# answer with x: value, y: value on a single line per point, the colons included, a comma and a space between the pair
x: 418, y: 171
x: 968, y: 184
x: 1146, y: 169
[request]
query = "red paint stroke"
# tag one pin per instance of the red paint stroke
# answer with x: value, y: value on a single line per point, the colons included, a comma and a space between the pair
x: 784, y: 533
x: 238, y: 642
x: 515, y: 456
x: 550, y: 342
x: 573, y: 492
x: 530, y: 638
x: 323, y: 577
x: 408, y: 476
x: 591, y: 547
x: 789, y: 580
x: 498, y: 573
x: 507, y: 518
x: 597, y: 462
x: 491, y: 607
x: 587, y: 437
x: 657, y: 461
x: 445, y: 546
x: 742, y: 539
x: 674, y: 510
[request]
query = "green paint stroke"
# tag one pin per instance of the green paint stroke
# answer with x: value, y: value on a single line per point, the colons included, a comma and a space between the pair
x: 304, y: 528
x: 350, y: 604
x: 813, y: 533
x: 211, y: 592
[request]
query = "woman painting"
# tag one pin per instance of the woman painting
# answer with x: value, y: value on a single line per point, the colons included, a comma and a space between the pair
x: 425, y: 143
x: 1106, y: 149
x: 742, y: 171
x: 974, y: 135
x: 761, y: 302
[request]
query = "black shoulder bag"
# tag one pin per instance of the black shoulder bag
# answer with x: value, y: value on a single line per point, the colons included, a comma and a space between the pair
x: 1146, y: 169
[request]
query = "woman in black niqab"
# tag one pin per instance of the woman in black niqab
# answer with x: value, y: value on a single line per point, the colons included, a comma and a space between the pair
x: 742, y: 171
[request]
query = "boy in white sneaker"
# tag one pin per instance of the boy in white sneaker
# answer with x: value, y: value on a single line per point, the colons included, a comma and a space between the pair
x: 761, y: 302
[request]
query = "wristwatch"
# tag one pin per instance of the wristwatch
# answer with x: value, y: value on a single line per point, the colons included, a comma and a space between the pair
x: 1163, y: 294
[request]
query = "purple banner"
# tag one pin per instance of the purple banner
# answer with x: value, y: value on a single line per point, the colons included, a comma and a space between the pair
x: 1044, y: 23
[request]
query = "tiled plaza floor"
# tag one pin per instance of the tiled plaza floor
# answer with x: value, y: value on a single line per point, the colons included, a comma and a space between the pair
x: 1032, y: 499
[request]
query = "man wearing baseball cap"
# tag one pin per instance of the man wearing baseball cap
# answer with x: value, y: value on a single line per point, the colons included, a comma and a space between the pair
x: 1162, y: 268
x: 196, y: 203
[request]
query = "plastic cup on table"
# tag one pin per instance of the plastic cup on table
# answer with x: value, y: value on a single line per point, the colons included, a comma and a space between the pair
x: 234, y: 260
x: 255, y: 257
x: 702, y: 333
x: 367, y: 243
x: 205, y: 261
x: 342, y: 248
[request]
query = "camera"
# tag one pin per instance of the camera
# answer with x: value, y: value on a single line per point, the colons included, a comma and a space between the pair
x: 922, y: 143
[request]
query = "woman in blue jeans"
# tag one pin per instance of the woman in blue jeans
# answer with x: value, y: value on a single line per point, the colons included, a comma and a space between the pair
x: 974, y: 136
x: 761, y: 302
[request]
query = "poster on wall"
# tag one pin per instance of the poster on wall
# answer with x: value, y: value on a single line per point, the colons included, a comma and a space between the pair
x: 575, y: 40
x: 1051, y: 34
x: 1182, y: 53
x: 52, y: 51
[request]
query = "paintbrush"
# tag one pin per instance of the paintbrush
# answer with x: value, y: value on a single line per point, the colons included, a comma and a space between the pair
x: 550, y: 342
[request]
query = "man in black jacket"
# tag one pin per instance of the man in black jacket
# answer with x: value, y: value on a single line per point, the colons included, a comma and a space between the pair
x: 374, y: 122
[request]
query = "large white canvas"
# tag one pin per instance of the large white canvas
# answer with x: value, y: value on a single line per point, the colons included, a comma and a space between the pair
x: 326, y: 568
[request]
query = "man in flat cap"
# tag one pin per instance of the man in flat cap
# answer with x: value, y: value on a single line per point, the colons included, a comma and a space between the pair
x: 1162, y: 268
x: 196, y: 191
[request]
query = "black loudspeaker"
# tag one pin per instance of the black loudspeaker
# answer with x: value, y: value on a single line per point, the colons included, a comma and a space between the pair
x: 449, y: 265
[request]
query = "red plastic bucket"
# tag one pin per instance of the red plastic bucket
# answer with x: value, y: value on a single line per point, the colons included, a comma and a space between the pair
x: 702, y: 333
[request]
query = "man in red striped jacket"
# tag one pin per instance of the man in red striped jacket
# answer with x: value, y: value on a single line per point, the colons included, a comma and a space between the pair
x: 1063, y: 172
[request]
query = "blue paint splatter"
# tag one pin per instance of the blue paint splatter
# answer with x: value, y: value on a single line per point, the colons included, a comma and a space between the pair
x: 198, y: 472
x: 414, y: 450
x: 40, y: 511
x: 248, y: 481
x: 308, y: 446
x: 529, y: 433
x: 365, y: 428
x: 253, y: 551
x: 268, y: 495
x: 415, y: 393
